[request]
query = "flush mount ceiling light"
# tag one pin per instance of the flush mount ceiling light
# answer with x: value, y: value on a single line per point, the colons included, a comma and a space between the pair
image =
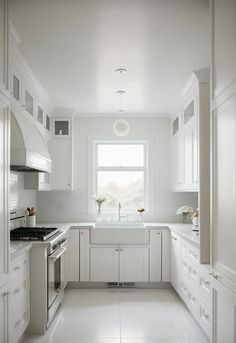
x: 121, y: 92
x: 121, y: 71
x: 121, y: 127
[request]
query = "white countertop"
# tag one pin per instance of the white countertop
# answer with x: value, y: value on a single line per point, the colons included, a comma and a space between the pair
x: 185, y: 230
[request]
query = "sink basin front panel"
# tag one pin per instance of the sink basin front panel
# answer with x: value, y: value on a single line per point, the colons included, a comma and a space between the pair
x: 119, y: 236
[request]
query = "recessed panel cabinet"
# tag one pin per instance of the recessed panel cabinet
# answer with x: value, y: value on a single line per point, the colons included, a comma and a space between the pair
x: 61, y: 149
x: 62, y: 164
x: 4, y: 313
x: 104, y: 264
x: 189, y: 128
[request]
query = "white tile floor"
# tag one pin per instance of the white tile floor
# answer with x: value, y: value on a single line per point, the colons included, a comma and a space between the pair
x: 121, y: 316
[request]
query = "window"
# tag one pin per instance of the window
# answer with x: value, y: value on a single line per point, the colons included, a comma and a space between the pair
x: 120, y: 171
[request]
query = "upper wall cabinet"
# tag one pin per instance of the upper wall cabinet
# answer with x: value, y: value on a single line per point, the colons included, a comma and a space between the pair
x: 188, y: 131
x: 190, y: 150
x: 4, y: 48
x: 61, y: 127
x: 62, y: 171
x: 224, y: 47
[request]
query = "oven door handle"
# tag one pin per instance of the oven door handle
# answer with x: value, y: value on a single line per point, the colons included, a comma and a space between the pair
x: 58, y: 253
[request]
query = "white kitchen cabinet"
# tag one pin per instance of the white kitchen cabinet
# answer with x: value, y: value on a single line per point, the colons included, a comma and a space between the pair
x: 84, y: 255
x: 20, y: 297
x: 134, y: 264
x: 74, y: 255
x: 156, y: 256
x: 223, y: 313
x: 165, y: 256
x: 104, y: 264
x: 175, y: 260
x: 4, y: 192
x: 4, y: 313
x: 190, y: 148
x: 62, y: 127
x: 61, y: 164
x: 4, y: 48
x: 177, y: 154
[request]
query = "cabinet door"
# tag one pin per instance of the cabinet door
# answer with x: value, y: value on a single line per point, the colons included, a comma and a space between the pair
x: 73, y: 247
x: 4, y: 314
x: 84, y: 255
x: 155, y: 255
x: 224, y: 189
x: 174, y: 260
x: 134, y: 264
x: 4, y: 47
x: 177, y: 160
x: 223, y: 43
x: 61, y: 127
x: 190, y: 150
x: 4, y: 191
x: 61, y: 164
x: 104, y: 264
x: 223, y: 314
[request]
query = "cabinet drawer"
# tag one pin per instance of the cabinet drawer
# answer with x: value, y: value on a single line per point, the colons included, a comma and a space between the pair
x: 19, y: 325
x: 193, y: 253
x: 204, y: 315
x: 20, y: 267
x: 205, y: 286
x: 193, y: 272
x: 193, y: 301
x: 20, y: 292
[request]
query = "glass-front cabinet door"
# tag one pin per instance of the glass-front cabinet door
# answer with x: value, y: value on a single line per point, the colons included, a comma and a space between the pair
x: 189, y: 111
x: 61, y: 127
x: 29, y: 102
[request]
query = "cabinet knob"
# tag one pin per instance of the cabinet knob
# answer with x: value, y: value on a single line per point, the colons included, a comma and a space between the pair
x: 121, y: 249
x: 5, y: 294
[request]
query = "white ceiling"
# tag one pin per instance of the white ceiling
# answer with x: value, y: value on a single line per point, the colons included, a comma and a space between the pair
x: 74, y: 47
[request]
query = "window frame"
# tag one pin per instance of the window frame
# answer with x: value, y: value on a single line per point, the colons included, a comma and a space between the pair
x: 144, y: 169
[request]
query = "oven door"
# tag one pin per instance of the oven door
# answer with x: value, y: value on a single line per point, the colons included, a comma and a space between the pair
x: 55, y: 275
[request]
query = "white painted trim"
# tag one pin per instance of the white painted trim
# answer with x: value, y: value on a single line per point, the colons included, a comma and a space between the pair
x: 149, y: 175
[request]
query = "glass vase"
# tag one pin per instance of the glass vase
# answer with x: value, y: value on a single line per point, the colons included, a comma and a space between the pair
x: 99, y: 214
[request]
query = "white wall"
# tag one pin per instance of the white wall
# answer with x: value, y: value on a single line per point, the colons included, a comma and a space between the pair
x: 73, y: 206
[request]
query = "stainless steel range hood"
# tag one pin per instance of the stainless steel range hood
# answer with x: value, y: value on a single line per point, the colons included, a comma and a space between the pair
x: 29, y: 151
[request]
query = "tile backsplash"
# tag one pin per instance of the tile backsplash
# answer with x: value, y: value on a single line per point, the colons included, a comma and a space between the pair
x: 19, y: 197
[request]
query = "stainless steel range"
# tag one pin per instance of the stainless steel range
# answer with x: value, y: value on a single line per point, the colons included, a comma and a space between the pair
x: 47, y: 277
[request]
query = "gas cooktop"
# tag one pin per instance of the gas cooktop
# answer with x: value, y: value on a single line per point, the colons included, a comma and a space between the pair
x: 33, y: 233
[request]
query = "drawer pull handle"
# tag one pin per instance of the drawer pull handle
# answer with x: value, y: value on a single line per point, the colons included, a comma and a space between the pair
x: 174, y: 238
x: 17, y: 323
x: 121, y: 249
x: 117, y: 249
x: 206, y: 282
x: 16, y: 290
x: 17, y: 268
x: 5, y: 294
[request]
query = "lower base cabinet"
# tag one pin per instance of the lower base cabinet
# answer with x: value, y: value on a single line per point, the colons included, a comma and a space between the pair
x: 20, y: 297
x: 4, y: 313
x: 223, y: 314
x: 119, y: 264
x: 134, y: 264
x: 104, y: 264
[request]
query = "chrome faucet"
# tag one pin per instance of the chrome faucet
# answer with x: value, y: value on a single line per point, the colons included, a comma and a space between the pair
x: 119, y: 209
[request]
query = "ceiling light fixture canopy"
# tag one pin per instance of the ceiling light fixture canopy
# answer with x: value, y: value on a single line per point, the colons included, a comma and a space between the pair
x: 121, y: 71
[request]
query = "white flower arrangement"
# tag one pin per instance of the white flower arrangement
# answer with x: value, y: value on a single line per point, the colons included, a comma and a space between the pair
x: 100, y: 198
x: 184, y: 211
